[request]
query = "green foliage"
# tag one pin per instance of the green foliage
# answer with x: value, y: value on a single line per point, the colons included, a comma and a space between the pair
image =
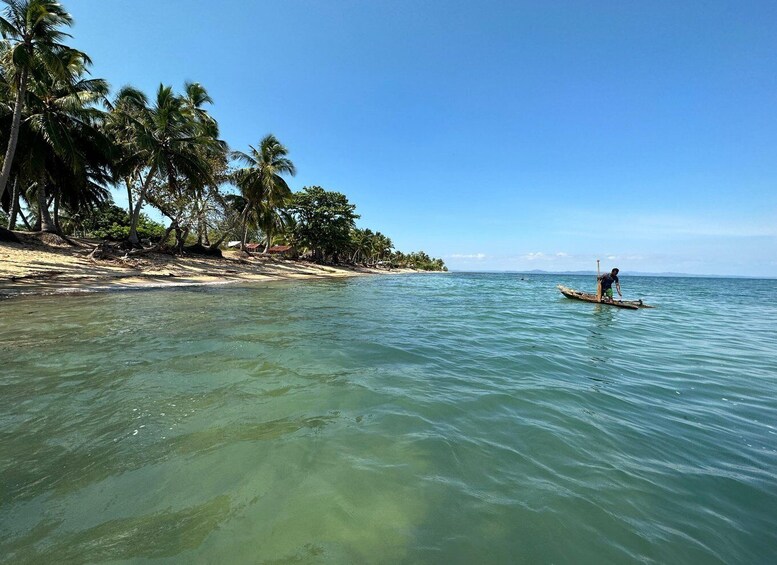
x: 418, y: 260
x: 32, y: 44
x: 170, y: 153
x: 370, y: 247
x: 324, y: 220
x: 262, y: 187
x: 166, y: 152
x: 108, y: 221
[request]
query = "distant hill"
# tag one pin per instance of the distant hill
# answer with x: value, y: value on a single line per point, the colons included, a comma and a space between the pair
x: 627, y: 274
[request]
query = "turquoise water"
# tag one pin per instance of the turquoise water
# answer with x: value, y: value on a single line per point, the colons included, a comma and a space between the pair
x: 461, y: 418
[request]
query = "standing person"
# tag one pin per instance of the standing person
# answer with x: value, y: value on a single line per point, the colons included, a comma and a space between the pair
x: 606, y: 281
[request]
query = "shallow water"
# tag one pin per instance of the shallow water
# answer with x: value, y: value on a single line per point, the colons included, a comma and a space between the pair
x: 461, y: 418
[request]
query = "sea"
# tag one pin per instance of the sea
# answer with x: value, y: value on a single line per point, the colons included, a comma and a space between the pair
x: 437, y: 418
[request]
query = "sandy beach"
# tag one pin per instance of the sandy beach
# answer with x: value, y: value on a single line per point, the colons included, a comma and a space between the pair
x: 44, y: 265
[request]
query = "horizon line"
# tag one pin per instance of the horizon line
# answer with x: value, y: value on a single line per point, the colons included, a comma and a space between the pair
x: 622, y: 273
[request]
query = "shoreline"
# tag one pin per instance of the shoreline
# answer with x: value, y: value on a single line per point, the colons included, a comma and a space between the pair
x: 40, y: 268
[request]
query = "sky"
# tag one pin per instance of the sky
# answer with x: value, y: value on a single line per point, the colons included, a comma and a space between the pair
x: 498, y: 135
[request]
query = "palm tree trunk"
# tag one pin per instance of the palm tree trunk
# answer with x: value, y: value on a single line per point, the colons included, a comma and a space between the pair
x: 15, y: 123
x: 245, y: 235
x: 14, y: 205
x: 220, y: 241
x: 46, y: 223
x: 172, y: 180
x: 129, y: 196
x: 26, y: 222
x: 180, y: 238
x: 269, y: 241
x: 166, y: 235
x: 244, y: 216
x: 134, y: 219
x: 135, y: 216
x: 202, y: 225
x: 56, y: 214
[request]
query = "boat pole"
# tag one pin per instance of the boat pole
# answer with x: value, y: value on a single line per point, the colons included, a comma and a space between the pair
x: 598, y: 283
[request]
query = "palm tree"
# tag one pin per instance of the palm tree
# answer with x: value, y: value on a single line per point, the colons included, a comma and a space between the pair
x: 62, y: 148
x: 214, y: 153
x: 262, y: 185
x: 273, y: 220
x: 361, y: 242
x: 248, y: 218
x: 381, y: 247
x: 61, y: 156
x: 127, y: 106
x: 167, y: 142
x: 195, y: 97
x: 31, y: 29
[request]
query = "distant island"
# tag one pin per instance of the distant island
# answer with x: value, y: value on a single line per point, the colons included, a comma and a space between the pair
x: 627, y: 274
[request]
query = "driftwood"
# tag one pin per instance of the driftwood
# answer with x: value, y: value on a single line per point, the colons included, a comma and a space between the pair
x: 104, y: 250
x: 159, y: 247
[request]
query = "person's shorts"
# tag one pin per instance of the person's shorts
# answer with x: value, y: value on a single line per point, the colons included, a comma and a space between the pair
x: 607, y: 293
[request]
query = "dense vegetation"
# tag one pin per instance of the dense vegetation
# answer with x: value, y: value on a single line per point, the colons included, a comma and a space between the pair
x: 70, y: 140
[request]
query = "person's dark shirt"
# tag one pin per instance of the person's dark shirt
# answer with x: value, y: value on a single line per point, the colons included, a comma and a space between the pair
x: 607, y: 280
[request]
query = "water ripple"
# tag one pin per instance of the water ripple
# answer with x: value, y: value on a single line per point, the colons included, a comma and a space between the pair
x: 440, y: 418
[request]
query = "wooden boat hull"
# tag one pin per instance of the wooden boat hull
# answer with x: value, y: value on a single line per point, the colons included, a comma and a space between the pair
x: 588, y: 297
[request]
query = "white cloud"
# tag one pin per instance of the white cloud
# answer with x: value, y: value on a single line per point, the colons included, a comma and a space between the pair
x: 477, y: 256
x: 624, y: 257
x: 539, y: 255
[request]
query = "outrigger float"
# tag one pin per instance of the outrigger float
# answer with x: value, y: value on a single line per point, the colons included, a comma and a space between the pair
x: 588, y: 297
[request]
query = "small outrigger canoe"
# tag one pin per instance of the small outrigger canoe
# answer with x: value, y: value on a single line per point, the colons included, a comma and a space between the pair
x: 588, y: 297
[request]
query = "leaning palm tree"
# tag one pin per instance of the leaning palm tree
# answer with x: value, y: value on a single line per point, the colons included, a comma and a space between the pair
x: 128, y: 105
x: 273, y: 219
x: 32, y: 31
x: 214, y: 153
x: 61, y: 157
x: 168, y: 143
x: 61, y: 145
x: 247, y: 214
x: 261, y: 184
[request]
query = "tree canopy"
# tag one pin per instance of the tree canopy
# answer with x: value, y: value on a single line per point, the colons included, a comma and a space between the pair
x: 324, y: 221
x: 70, y: 142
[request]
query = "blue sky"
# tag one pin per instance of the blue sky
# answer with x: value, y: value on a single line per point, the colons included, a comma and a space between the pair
x: 497, y: 135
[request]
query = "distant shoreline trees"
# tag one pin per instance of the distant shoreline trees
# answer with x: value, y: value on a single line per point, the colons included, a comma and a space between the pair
x: 68, y: 141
